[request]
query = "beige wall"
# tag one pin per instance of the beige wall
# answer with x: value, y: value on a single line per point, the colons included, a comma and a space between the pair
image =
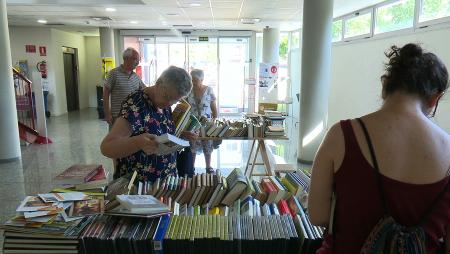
x: 64, y: 39
x: 357, y: 67
x: 89, y: 62
x: 93, y: 67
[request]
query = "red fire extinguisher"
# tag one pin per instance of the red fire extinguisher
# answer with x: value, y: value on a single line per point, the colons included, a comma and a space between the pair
x: 42, y: 68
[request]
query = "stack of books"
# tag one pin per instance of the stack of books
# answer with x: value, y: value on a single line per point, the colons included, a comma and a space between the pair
x: 114, y: 234
x: 90, y: 179
x: 48, y: 207
x: 183, y: 119
x: 231, y: 234
x: 55, y: 237
x: 255, y: 125
x: 274, y: 124
x: 223, y: 128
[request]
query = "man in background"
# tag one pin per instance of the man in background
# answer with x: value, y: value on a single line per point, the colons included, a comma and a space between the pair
x: 120, y: 82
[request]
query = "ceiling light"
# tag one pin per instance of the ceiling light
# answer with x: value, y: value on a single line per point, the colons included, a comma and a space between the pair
x: 110, y: 9
x: 133, y: 22
x: 195, y: 4
x: 42, y: 21
x: 173, y: 14
x: 250, y: 20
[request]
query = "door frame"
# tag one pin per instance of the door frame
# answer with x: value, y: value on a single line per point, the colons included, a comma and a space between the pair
x: 74, y: 53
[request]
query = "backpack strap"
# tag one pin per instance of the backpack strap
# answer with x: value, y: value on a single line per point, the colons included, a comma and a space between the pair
x: 375, y: 165
x: 433, y: 205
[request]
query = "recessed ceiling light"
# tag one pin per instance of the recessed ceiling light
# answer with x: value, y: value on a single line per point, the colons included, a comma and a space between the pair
x: 173, y: 14
x: 133, y: 22
x: 195, y: 4
x: 110, y: 9
x: 42, y: 21
x: 250, y: 20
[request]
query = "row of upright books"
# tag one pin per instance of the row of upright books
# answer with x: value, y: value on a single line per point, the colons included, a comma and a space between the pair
x: 271, y: 124
x: 208, y: 189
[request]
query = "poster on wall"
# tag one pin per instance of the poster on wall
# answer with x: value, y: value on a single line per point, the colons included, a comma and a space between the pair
x: 42, y: 51
x: 107, y: 65
x: 268, y: 75
x: 30, y: 48
x: 268, y: 82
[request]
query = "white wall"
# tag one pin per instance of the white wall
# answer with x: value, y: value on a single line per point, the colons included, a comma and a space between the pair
x: 64, y: 39
x: 357, y: 67
x: 21, y: 36
x: 93, y: 67
x: 88, y: 62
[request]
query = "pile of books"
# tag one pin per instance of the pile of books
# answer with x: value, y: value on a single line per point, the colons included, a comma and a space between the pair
x: 114, y: 234
x: 255, y: 125
x: 90, y: 179
x: 223, y: 128
x: 57, y: 236
x: 48, y: 207
x: 274, y: 124
x: 231, y: 234
x: 183, y: 118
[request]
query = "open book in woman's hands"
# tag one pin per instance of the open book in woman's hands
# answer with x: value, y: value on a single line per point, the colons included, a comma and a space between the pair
x: 169, y: 143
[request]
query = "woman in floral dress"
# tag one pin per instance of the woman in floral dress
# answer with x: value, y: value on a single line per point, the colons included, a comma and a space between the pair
x: 203, y: 103
x: 146, y: 114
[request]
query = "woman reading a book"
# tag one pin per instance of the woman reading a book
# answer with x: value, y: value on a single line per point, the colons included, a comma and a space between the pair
x: 393, y: 162
x: 203, y: 103
x: 146, y: 114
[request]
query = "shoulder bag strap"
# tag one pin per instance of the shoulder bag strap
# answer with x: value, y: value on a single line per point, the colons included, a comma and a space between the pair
x: 375, y: 165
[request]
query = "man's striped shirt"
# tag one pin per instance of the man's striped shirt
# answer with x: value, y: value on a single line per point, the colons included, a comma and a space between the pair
x: 121, y: 84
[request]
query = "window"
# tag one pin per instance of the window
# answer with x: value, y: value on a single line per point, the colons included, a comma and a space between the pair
x: 434, y: 9
x: 395, y: 16
x: 295, y: 40
x: 337, y: 31
x: 357, y: 26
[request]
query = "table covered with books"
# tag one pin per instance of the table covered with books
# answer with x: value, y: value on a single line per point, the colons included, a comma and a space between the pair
x: 208, y: 213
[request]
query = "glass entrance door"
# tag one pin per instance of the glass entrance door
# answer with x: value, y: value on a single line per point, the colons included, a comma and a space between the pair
x: 233, y: 55
x: 226, y: 76
x: 203, y: 55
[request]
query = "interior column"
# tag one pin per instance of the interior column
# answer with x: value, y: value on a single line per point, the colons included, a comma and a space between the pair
x: 315, y: 80
x: 9, y: 130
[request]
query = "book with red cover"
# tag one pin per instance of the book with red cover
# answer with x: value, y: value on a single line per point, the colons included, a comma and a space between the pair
x: 270, y: 189
x: 77, y: 174
x: 97, y: 181
x: 284, y: 208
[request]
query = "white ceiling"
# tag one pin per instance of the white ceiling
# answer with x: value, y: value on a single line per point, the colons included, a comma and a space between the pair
x: 76, y: 15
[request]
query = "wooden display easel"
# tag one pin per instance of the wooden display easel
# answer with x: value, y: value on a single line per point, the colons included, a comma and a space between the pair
x: 258, y: 146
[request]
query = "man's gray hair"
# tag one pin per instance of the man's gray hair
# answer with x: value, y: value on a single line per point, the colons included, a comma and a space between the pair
x: 198, y: 74
x: 127, y: 53
x: 176, y: 78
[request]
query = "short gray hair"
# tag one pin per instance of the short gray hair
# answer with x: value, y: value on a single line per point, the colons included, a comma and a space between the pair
x: 198, y: 74
x: 176, y: 78
x: 127, y: 53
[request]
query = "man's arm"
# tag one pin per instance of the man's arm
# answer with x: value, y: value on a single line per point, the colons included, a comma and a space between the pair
x: 106, y: 107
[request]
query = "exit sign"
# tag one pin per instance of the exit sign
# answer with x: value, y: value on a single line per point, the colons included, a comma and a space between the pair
x: 203, y: 38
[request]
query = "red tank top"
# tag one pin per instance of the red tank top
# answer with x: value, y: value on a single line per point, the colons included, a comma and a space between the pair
x: 359, y: 207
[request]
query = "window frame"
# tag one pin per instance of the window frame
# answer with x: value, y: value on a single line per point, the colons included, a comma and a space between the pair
x: 353, y: 15
x: 342, y: 30
x: 380, y: 5
x: 422, y: 24
x: 438, y: 23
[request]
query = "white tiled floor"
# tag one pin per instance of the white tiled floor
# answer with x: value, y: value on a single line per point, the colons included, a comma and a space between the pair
x: 76, y: 139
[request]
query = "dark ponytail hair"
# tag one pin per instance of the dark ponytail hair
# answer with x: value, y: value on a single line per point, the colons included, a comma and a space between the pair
x: 413, y: 71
